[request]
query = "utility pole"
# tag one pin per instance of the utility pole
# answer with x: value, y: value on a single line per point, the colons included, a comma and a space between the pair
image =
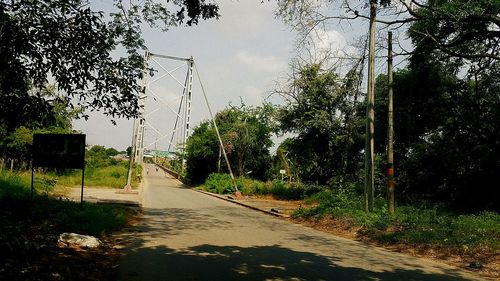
x: 390, y: 130
x: 370, y: 114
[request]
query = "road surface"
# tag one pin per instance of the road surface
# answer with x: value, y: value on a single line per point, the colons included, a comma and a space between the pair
x: 186, y: 235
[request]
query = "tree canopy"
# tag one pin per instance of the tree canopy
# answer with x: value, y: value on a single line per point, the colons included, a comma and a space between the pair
x: 446, y: 135
x: 69, y: 42
x: 246, y: 135
x: 323, y: 111
x: 459, y: 30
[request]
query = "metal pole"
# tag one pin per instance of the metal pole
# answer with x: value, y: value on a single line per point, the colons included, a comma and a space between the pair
x: 370, y: 114
x: 179, y: 110
x: 131, y: 157
x: 141, y: 124
x: 32, y: 178
x: 219, y: 162
x: 390, y: 131
x: 187, y: 112
x: 83, y: 181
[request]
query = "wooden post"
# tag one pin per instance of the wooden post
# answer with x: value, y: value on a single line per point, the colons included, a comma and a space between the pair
x: 390, y: 130
x: 370, y: 114
x: 32, y: 179
x: 83, y: 177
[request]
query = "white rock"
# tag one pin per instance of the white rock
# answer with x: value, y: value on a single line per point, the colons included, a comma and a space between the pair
x: 79, y: 240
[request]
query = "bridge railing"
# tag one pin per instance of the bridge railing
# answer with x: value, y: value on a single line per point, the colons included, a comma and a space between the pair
x: 171, y: 172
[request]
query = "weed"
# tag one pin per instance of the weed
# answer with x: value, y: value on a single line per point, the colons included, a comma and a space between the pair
x: 63, y: 216
x: 424, y: 223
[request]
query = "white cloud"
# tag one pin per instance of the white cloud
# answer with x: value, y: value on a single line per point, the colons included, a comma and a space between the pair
x: 328, y: 40
x: 260, y: 63
x: 252, y: 95
x: 331, y: 48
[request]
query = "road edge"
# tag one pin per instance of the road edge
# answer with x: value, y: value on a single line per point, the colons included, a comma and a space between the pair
x: 223, y: 197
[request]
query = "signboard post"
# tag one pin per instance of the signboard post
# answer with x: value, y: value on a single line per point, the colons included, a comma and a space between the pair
x: 64, y: 151
x: 282, y: 172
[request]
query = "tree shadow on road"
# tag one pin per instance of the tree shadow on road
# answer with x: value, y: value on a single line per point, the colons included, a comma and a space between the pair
x: 210, y: 262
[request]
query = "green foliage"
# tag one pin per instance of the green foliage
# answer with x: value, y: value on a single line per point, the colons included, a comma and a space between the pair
x: 91, y: 219
x: 97, y: 156
x: 293, y: 191
x: 111, y: 152
x: 45, y: 183
x: 202, y: 152
x: 220, y: 183
x: 323, y: 111
x: 445, y: 132
x: 63, y: 216
x: 16, y: 139
x: 101, y: 170
x: 457, y: 32
x: 71, y: 43
x: 246, y: 135
x: 12, y: 186
x: 428, y: 223
x: 111, y: 176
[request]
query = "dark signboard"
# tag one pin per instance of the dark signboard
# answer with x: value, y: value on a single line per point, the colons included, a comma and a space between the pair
x: 59, y: 150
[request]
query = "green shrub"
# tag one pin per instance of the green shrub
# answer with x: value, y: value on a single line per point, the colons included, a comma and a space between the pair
x: 45, y: 183
x: 219, y: 183
x: 423, y: 223
x: 63, y: 216
x: 13, y: 186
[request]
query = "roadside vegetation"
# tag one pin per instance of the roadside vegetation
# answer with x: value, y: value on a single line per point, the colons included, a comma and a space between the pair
x: 101, y: 170
x: 30, y: 229
x: 446, y: 111
x: 423, y: 222
x: 64, y: 216
x: 445, y: 156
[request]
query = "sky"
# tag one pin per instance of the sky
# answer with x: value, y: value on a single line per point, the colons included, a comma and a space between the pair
x: 239, y: 57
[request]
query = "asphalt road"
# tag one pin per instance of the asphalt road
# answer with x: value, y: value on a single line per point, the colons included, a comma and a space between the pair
x: 186, y: 235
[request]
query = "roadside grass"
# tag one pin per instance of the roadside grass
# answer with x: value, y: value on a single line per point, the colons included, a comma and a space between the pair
x: 114, y: 176
x: 429, y: 224
x: 62, y: 216
x: 59, y: 183
x: 222, y: 184
x: 13, y: 186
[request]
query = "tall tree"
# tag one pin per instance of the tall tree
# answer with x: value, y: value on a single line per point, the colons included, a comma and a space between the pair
x: 446, y: 135
x: 464, y: 33
x: 73, y: 44
x: 322, y: 110
x: 246, y: 134
x: 15, y: 143
x: 458, y: 29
